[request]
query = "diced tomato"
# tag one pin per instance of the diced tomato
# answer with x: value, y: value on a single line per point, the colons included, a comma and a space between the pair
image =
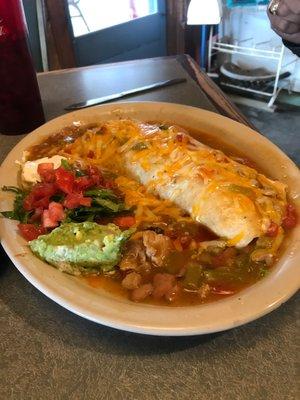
x: 272, y: 230
x: 56, y: 211
x: 46, y: 172
x: 42, y: 203
x: 48, y: 176
x: 53, y: 215
x: 109, y: 184
x: 44, y: 190
x: 75, y: 200
x: 91, y: 154
x: 290, y: 219
x: 36, y: 217
x: 47, y: 221
x: 224, y: 258
x: 86, y: 201
x: 28, y: 202
x: 45, y: 167
x: 124, y: 221
x: 72, y: 200
x: 179, y: 137
x: 39, y: 196
x: 92, y: 170
x: 30, y: 231
x: 95, y: 174
x: 82, y: 183
x: 64, y: 180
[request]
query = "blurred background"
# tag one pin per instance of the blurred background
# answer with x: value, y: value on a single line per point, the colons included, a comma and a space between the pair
x: 238, y: 49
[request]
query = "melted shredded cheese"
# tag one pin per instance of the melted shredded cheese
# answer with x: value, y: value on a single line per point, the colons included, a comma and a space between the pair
x: 106, y: 150
x: 148, y: 207
x: 148, y: 145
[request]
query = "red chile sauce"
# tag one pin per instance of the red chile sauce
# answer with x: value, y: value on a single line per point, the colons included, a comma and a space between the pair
x: 237, y: 275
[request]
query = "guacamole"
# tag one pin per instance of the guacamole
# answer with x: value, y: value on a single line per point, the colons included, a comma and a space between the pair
x: 82, y: 248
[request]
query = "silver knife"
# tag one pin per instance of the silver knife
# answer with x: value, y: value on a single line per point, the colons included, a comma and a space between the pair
x: 115, y: 96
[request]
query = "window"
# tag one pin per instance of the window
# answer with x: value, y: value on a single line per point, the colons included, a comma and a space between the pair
x: 93, y: 15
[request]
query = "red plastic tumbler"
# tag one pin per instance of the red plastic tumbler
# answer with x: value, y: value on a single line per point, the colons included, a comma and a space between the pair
x: 20, y: 103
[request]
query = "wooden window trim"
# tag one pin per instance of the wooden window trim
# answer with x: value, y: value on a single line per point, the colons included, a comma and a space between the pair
x: 58, y: 33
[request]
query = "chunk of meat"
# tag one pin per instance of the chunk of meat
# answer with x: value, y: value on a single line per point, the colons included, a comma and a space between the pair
x: 124, y: 221
x: 134, y: 257
x: 157, y: 246
x: 163, y: 285
x: 272, y: 230
x: 142, y: 292
x: 290, y: 219
x: 132, y: 281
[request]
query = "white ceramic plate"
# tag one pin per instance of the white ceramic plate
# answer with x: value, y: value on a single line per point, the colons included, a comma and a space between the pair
x: 100, y: 306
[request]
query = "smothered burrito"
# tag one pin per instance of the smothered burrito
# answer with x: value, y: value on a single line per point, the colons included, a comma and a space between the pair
x: 151, y: 211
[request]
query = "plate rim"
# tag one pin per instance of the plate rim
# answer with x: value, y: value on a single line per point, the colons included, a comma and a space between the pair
x: 129, y: 327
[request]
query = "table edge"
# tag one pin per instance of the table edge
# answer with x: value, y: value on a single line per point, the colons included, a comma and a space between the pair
x: 213, y: 93
x: 223, y: 104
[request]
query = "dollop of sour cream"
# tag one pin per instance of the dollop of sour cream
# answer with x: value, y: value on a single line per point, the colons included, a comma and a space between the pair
x: 29, y: 172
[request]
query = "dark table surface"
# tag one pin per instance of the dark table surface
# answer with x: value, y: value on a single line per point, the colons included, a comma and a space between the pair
x: 49, y: 353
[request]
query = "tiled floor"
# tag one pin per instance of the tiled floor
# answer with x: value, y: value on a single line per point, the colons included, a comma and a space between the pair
x: 282, y: 128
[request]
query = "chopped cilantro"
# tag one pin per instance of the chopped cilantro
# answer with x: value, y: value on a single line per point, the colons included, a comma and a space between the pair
x: 18, y: 213
x: 163, y: 127
x: 139, y: 146
x: 65, y: 164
